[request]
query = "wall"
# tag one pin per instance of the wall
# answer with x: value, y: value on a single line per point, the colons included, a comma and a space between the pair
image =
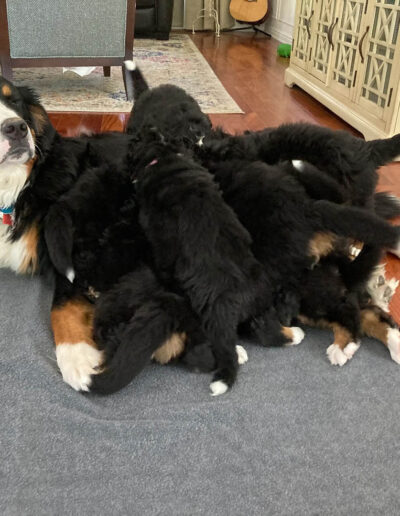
x: 177, y: 16
x: 280, y: 21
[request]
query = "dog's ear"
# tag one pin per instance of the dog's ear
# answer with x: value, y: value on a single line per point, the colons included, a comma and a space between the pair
x: 37, y: 112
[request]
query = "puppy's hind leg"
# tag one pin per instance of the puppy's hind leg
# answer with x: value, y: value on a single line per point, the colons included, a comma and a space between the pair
x: 379, y: 325
x: 226, y: 358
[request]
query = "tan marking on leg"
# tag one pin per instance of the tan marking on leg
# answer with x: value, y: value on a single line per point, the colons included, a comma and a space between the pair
x: 342, y: 337
x: 6, y: 90
x: 321, y: 244
x: 373, y: 326
x: 171, y: 349
x: 287, y: 332
x: 30, y: 260
x: 73, y: 322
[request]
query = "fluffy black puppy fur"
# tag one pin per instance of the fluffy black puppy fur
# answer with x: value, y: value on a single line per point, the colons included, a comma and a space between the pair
x: 198, y: 242
x: 333, y: 185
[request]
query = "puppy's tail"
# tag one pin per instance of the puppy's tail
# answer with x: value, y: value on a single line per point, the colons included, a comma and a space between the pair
x: 59, y: 233
x: 385, y: 150
x: 135, y: 82
x: 387, y: 205
x: 133, y: 346
x: 357, y: 223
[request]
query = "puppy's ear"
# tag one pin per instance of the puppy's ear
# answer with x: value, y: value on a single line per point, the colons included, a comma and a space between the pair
x: 37, y: 112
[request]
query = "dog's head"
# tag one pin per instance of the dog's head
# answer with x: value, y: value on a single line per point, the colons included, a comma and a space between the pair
x: 22, y: 120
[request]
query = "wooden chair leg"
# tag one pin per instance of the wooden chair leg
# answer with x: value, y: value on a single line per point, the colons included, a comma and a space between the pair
x: 107, y: 71
x: 6, y: 69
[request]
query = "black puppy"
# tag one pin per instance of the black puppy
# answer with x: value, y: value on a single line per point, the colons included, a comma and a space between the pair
x: 199, y: 244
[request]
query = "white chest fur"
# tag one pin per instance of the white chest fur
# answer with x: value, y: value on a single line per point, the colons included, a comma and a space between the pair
x: 12, y: 180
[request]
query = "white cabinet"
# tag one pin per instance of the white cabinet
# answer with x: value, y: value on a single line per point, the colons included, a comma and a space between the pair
x: 346, y: 53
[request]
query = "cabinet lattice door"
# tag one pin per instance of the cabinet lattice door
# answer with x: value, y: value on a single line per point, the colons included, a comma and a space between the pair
x: 378, y: 90
x: 322, y: 44
x: 302, y: 39
x: 346, y: 51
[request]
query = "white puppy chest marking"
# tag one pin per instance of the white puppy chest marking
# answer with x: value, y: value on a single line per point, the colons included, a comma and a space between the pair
x: 77, y: 363
x: 242, y: 355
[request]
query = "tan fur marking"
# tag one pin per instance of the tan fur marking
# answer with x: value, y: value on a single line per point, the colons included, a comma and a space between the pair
x: 73, y: 322
x: 321, y: 244
x: 373, y: 327
x: 287, y: 332
x: 6, y: 90
x: 341, y: 336
x: 172, y: 348
x: 39, y: 116
x: 30, y: 261
x: 29, y: 165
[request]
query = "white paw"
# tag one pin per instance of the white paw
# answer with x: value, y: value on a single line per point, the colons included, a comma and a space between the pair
x: 77, y: 363
x: 350, y: 349
x: 242, y: 355
x: 336, y: 355
x: 393, y: 337
x: 298, y: 336
x: 218, y: 387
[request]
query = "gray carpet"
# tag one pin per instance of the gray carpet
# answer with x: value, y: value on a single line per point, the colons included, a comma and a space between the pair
x: 295, y: 436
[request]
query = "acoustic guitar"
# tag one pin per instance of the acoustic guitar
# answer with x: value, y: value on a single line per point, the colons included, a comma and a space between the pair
x: 249, y: 11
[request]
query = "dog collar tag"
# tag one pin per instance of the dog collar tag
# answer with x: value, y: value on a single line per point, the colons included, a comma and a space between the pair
x: 7, y: 215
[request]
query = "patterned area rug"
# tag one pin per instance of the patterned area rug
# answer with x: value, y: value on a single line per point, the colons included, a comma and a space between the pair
x: 176, y: 61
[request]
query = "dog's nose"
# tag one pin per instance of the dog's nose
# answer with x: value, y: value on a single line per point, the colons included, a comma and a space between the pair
x: 14, y: 128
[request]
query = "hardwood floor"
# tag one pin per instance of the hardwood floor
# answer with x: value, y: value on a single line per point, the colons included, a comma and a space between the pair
x: 251, y: 71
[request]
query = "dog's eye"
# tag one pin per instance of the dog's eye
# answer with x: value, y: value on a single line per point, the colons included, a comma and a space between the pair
x: 14, y: 101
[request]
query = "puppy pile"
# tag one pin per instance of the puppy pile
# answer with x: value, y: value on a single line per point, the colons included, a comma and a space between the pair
x: 170, y: 241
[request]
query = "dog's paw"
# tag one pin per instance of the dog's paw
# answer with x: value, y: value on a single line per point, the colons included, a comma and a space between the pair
x: 336, y: 356
x: 77, y: 363
x: 242, y: 355
x: 218, y: 387
x: 393, y: 337
x: 297, y: 336
x: 350, y: 349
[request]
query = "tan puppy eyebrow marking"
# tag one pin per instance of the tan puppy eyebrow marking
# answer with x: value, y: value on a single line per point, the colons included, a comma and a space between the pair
x: 6, y: 90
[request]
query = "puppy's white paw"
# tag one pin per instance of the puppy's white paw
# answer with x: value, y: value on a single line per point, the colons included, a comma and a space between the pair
x: 298, y: 336
x: 218, y: 387
x: 393, y: 337
x: 350, y: 349
x: 336, y: 355
x: 77, y: 363
x: 242, y: 355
